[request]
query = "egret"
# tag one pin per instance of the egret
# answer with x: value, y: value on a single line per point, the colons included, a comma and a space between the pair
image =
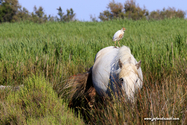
x: 118, y: 36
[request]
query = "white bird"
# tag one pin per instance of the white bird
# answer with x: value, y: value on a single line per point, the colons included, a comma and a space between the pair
x: 118, y: 36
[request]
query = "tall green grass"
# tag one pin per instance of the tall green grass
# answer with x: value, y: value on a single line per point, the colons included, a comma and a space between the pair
x: 59, y: 50
x: 35, y: 103
x: 29, y: 47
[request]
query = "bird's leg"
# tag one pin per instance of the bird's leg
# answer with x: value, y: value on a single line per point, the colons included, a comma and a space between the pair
x: 119, y: 44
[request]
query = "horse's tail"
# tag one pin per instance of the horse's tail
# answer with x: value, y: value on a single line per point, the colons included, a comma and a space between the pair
x: 81, y: 87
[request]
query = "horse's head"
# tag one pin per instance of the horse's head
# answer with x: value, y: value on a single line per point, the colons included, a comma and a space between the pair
x: 129, y: 78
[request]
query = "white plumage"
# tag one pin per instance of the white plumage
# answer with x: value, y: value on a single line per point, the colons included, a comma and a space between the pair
x: 118, y: 35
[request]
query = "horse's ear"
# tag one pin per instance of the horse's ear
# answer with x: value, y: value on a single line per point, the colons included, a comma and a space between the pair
x: 120, y: 63
x: 138, y: 64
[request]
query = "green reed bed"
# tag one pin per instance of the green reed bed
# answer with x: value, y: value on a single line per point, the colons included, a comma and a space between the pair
x: 157, y: 43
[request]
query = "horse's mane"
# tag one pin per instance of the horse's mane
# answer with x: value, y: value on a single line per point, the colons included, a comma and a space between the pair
x: 126, y: 71
x: 124, y: 54
x: 127, y: 59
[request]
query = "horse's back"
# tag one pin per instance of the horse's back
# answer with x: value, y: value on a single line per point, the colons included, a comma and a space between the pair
x: 104, y: 51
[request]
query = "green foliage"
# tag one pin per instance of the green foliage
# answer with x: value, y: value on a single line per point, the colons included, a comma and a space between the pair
x: 11, y: 11
x: 35, y: 103
x: 39, y: 12
x: 60, y: 13
x: 166, y: 13
x: 115, y: 12
x: 38, y: 15
x: 4, y: 12
x: 22, y: 14
x: 133, y: 11
x: 66, y: 18
x: 8, y: 10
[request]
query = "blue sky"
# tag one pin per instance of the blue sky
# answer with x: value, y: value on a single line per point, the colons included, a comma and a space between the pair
x: 85, y: 8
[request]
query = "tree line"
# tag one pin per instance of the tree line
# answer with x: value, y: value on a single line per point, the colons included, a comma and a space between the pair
x: 131, y: 10
x: 11, y: 11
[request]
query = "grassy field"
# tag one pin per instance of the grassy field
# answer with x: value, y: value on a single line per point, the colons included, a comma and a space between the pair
x: 59, y: 50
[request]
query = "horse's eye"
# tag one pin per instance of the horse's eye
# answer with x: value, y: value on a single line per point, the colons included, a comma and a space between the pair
x: 137, y: 80
x: 121, y: 79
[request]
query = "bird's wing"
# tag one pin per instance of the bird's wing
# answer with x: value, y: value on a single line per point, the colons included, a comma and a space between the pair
x: 113, y: 38
x: 116, y: 35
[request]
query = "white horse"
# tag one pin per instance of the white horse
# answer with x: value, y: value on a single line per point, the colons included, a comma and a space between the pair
x: 116, y: 69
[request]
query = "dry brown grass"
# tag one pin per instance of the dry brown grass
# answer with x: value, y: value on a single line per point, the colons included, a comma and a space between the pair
x: 164, y: 97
